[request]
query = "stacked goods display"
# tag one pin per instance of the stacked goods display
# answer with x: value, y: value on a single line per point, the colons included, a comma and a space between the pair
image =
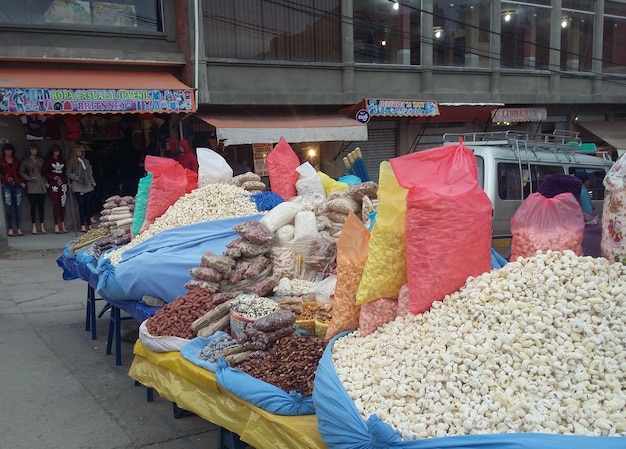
x: 541, y: 223
x: 613, y: 245
x: 529, y: 355
x: 448, y: 222
x: 117, y: 214
x: 250, y: 182
x: 208, y: 203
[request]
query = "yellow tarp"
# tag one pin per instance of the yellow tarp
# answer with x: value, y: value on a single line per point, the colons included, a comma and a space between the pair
x: 195, y: 389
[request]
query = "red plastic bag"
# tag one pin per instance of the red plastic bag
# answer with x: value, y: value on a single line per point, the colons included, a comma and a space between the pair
x: 448, y: 222
x: 282, y: 163
x: 192, y: 180
x: 169, y: 182
x: 542, y: 223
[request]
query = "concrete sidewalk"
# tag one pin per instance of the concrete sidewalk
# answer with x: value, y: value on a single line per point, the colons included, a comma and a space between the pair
x: 59, y: 388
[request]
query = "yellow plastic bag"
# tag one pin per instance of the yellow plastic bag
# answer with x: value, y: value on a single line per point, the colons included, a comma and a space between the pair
x: 330, y: 184
x: 385, y: 270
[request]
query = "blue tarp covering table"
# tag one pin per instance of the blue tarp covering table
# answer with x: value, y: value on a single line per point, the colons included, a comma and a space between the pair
x: 73, y: 269
x: 159, y: 266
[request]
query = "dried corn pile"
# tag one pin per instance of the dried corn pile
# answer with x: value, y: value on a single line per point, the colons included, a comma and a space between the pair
x: 536, y: 346
x: 208, y: 203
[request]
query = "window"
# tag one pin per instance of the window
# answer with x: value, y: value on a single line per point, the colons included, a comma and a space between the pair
x: 512, y: 183
x: 577, y: 35
x: 297, y: 30
x: 461, y: 33
x: 613, y: 48
x: 525, y: 38
x: 126, y: 15
x: 387, y: 32
x: 596, y: 187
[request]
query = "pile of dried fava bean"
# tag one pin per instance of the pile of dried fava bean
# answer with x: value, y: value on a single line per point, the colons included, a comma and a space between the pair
x: 290, y: 364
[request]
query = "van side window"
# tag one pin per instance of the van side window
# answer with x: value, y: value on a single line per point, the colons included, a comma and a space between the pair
x: 512, y: 183
x: 596, y: 186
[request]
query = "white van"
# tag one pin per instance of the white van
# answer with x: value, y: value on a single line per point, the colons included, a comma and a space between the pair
x: 512, y: 165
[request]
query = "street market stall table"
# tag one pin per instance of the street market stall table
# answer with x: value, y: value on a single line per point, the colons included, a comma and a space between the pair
x: 195, y: 389
x: 73, y: 269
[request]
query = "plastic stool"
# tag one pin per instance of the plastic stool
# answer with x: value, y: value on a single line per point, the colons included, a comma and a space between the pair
x: 229, y: 440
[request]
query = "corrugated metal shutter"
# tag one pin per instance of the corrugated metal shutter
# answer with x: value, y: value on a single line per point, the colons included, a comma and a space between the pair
x: 379, y: 146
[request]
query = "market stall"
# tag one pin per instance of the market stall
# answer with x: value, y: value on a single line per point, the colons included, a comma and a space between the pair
x: 363, y: 314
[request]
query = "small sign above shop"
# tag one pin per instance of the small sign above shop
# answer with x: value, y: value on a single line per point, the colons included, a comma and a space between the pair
x: 401, y: 108
x: 519, y: 115
x: 95, y: 100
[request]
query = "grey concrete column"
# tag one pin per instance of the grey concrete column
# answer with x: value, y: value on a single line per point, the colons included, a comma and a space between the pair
x: 555, y: 48
x: 495, y: 45
x: 598, y: 41
x: 427, y: 45
x: 347, y: 50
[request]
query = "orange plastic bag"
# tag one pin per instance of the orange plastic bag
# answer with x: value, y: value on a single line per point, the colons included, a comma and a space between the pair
x: 282, y: 163
x: 448, y: 222
x: 169, y: 182
x: 542, y: 223
x: 351, y: 258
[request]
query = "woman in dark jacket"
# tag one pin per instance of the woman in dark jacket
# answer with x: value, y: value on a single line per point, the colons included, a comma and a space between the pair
x: 36, y: 185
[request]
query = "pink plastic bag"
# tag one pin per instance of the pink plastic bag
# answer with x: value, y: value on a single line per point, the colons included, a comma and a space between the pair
x: 542, y: 223
x: 169, y: 182
x: 376, y: 313
x: 448, y: 222
x: 282, y: 163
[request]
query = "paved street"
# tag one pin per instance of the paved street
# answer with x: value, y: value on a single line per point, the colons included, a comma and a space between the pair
x: 58, y: 387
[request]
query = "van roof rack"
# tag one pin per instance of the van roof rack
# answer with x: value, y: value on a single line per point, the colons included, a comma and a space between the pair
x: 559, y: 140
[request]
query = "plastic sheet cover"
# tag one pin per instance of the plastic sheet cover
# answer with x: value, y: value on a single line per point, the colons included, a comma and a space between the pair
x: 195, y: 389
x: 159, y: 266
x: 191, y: 350
x: 263, y: 395
x: 341, y: 425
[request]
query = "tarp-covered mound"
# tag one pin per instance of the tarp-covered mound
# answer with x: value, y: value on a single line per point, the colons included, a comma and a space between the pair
x: 341, y: 425
x: 160, y: 265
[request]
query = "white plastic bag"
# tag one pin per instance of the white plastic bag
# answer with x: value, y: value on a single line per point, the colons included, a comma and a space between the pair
x: 159, y: 344
x: 212, y: 168
x: 325, y: 289
x: 308, y: 183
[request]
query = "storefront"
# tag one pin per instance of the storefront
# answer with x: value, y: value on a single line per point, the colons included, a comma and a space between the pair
x: 118, y: 115
x: 249, y: 135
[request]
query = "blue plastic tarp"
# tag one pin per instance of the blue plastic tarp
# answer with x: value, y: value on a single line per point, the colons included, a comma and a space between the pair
x: 265, y: 396
x: 497, y: 261
x: 159, y: 266
x: 342, y: 427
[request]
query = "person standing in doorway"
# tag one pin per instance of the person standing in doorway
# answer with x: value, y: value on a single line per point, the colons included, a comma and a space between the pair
x: 54, y: 171
x: 36, y: 185
x: 12, y: 185
x: 83, y: 184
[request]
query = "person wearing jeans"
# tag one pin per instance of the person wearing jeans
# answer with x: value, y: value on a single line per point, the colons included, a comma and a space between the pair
x: 36, y: 185
x: 80, y: 173
x: 12, y: 185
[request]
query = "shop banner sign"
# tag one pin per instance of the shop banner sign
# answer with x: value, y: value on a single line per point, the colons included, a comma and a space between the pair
x: 95, y: 100
x: 519, y: 115
x: 401, y: 108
